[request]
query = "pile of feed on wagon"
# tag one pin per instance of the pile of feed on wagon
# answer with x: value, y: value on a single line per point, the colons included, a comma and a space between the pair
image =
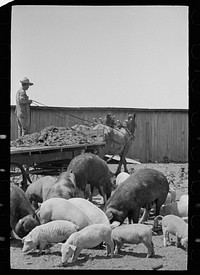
x: 54, y: 136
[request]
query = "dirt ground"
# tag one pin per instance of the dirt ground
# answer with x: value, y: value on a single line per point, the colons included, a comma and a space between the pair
x: 131, y: 257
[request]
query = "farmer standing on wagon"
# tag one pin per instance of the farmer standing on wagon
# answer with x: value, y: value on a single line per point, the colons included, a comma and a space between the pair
x: 22, y: 110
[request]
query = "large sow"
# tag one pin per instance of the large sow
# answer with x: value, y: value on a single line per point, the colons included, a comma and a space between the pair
x: 95, y: 214
x: 139, y: 190
x: 61, y: 209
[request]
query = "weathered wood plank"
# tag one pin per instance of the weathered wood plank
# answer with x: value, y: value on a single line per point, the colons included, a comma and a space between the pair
x: 168, y: 128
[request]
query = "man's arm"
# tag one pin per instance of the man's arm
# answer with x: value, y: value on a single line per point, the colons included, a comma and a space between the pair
x: 23, y: 98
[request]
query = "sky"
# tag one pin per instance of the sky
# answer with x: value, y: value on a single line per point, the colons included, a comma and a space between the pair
x: 101, y: 56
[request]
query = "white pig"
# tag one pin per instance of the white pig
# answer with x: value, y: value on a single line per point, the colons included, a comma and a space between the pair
x: 62, y: 209
x: 171, y: 196
x: 95, y: 214
x: 179, y: 208
x: 184, y: 198
x: 121, y: 177
x: 176, y: 226
x: 133, y: 234
x: 88, y: 237
x: 51, y: 232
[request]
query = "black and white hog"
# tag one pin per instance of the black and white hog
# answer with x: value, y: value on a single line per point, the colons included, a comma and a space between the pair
x: 91, y: 169
x: 22, y: 215
x: 140, y: 189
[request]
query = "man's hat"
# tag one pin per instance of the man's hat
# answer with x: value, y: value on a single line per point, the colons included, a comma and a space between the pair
x: 25, y: 80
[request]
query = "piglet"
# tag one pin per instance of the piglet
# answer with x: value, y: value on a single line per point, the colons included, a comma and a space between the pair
x: 88, y: 237
x: 133, y: 234
x: 178, y: 208
x: 176, y: 226
x: 51, y: 232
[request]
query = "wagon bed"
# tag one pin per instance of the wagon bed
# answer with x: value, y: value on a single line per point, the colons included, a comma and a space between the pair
x: 27, y: 163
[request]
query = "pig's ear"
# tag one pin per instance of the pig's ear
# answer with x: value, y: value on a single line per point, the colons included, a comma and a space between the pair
x: 72, y: 177
x: 27, y: 239
x: 20, y: 222
x: 73, y: 247
x: 114, y: 224
x: 61, y: 246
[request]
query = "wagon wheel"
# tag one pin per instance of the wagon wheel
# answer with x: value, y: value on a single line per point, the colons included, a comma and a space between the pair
x: 31, y: 173
x: 31, y: 176
x: 18, y: 175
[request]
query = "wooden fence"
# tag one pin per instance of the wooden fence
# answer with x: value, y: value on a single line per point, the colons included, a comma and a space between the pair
x: 161, y: 134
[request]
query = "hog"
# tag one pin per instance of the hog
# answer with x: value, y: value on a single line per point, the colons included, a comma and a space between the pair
x: 91, y: 169
x: 51, y: 232
x: 184, y: 199
x: 133, y: 234
x: 176, y: 226
x: 64, y: 187
x: 179, y: 208
x: 171, y: 196
x: 121, y: 177
x: 95, y: 214
x: 22, y: 215
x: 139, y: 190
x: 37, y: 191
x: 61, y: 209
x: 89, y: 237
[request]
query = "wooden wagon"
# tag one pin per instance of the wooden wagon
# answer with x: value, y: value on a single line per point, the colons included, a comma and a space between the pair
x: 27, y: 164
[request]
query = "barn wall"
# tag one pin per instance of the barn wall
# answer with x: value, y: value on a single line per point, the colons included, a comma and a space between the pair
x: 160, y: 134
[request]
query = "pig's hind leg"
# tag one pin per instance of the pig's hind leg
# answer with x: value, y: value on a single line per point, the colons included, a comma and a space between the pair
x: 102, y: 193
x: 147, y: 209
x: 135, y: 214
x: 118, y: 245
x: 159, y: 202
x: 150, y: 247
x: 88, y: 191
x: 165, y: 236
x: 109, y: 247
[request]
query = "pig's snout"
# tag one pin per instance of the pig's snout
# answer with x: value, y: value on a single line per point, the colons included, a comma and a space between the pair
x: 25, y: 249
x: 64, y: 263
